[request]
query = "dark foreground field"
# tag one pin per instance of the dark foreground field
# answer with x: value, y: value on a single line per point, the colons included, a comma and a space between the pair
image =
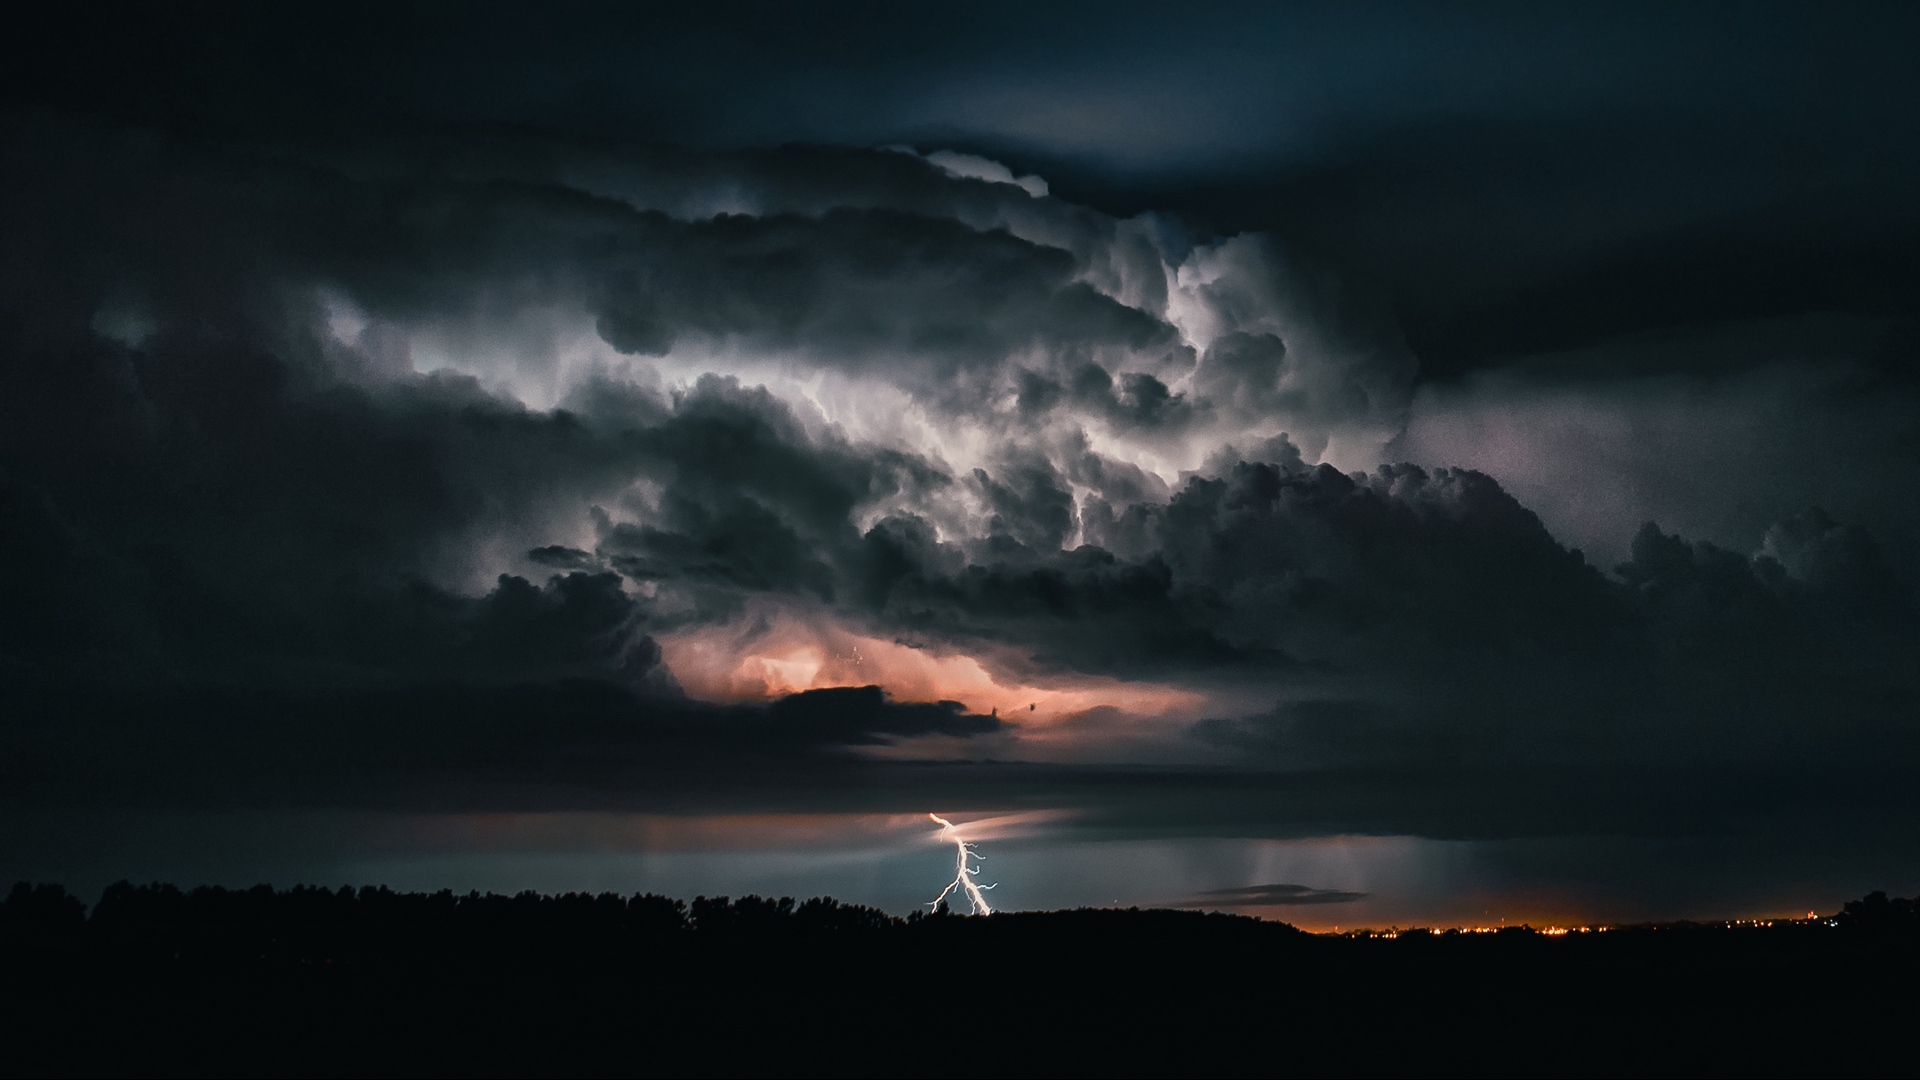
x: 314, y: 982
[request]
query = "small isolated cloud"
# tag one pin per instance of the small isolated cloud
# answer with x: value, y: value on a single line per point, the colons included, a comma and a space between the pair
x: 974, y: 167
x: 1269, y: 896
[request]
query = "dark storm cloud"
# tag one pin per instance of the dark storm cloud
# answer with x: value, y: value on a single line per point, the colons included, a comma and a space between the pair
x: 1515, y: 180
x: 848, y: 285
x: 870, y: 285
x: 449, y: 744
x: 1263, y: 566
x: 254, y: 553
x: 226, y: 555
x: 1778, y: 415
x: 1699, y: 654
x: 1271, y: 896
x: 851, y: 280
x: 748, y: 500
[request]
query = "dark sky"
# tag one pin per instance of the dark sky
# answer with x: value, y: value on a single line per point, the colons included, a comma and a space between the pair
x: 1488, y: 425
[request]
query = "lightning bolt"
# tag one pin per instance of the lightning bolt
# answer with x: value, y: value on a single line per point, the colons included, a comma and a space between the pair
x: 963, y: 874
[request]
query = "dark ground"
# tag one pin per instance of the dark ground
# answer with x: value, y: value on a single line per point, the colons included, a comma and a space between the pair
x: 311, y: 982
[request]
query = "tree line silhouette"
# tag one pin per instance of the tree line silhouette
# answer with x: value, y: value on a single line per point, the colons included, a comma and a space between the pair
x: 312, y: 981
x: 308, y: 923
x: 313, y: 924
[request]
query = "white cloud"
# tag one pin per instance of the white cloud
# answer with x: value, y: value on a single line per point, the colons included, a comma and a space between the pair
x: 974, y: 167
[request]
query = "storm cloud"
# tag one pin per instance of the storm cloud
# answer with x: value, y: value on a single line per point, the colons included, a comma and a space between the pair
x: 463, y: 464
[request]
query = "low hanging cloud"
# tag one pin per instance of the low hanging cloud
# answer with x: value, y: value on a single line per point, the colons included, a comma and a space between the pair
x: 1262, y: 896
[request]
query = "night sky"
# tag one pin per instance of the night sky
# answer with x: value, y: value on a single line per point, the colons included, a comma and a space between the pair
x: 1348, y: 463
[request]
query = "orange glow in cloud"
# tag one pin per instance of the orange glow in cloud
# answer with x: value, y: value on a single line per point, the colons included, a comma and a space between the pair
x: 757, y: 659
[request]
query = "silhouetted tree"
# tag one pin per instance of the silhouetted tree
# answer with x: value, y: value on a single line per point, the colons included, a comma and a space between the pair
x: 1875, y: 913
x: 41, y: 915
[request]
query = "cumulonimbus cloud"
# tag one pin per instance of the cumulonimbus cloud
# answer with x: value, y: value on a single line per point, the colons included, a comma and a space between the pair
x: 355, y: 429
